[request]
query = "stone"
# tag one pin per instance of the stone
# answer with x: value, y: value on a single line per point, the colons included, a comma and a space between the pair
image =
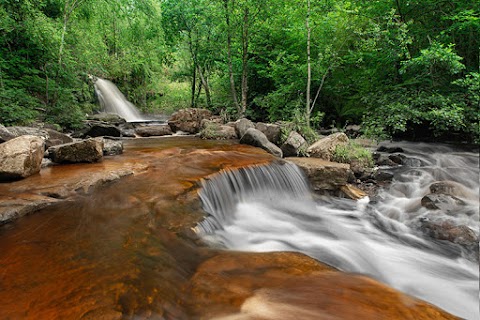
x: 352, y: 192
x: 112, y: 147
x: 444, y: 202
x: 323, y: 175
x: 294, y: 145
x: 381, y: 175
x: 215, y: 131
x: 90, y: 150
x: 5, y: 135
x: 353, y: 130
x: 286, y: 285
x: 272, y: 131
x: 452, y: 188
x: 20, y: 131
x: 110, y: 118
x: 188, y: 120
x: 153, y: 130
x: 397, y: 158
x: 99, y: 129
x: 324, y: 148
x: 242, y: 125
x: 447, y: 230
x: 256, y: 138
x: 390, y: 149
x: 56, y: 138
x: 21, y: 157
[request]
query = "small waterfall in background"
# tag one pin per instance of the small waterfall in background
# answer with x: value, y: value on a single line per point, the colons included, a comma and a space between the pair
x: 270, y: 208
x: 113, y: 101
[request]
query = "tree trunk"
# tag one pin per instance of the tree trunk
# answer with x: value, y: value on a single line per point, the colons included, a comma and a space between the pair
x: 244, y: 63
x: 206, y: 87
x: 229, y: 53
x: 309, y: 67
x: 194, y: 84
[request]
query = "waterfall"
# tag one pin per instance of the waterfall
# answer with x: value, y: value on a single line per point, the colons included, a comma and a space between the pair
x: 113, y: 101
x: 270, y: 208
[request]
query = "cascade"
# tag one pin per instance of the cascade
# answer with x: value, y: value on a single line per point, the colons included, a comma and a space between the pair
x: 270, y: 208
x: 113, y: 101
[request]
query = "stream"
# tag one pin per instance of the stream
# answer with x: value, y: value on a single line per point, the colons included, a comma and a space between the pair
x: 128, y: 250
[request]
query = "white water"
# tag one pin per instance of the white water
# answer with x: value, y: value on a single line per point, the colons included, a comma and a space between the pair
x: 113, y: 101
x: 270, y: 209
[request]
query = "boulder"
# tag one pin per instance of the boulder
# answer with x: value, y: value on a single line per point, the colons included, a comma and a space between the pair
x: 451, y: 188
x: 242, y: 125
x: 154, y: 130
x: 188, y: 120
x: 215, y: 131
x: 272, y: 131
x: 5, y: 135
x: 447, y: 230
x: 98, y: 129
x: 256, y: 138
x: 20, y: 131
x: 397, y: 158
x: 112, y: 147
x: 323, y: 175
x: 21, y: 157
x: 294, y: 145
x: 444, y: 202
x: 324, y: 148
x: 109, y: 118
x: 55, y: 138
x: 381, y: 175
x: 90, y: 150
x: 390, y: 149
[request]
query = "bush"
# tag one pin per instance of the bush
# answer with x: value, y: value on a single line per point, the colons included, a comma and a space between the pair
x: 353, y: 153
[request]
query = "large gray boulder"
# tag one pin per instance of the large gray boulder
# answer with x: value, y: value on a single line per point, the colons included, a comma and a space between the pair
x: 99, y: 129
x: 256, y: 138
x: 90, y: 150
x: 21, y: 157
x: 188, y: 120
x: 272, y: 131
x: 153, y: 130
x: 294, y: 145
x: 5, y: 135
x: 242, y: 125
x: 324, y: 148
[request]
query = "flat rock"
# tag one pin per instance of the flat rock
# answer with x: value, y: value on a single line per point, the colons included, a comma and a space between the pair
x: 322, y: 174
x: 21, y: 157
x: 291, y: 286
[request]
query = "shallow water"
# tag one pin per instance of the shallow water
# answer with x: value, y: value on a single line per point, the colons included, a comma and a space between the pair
x: 379, y: 238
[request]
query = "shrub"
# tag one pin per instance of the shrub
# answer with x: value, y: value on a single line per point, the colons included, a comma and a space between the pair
x: 353, y: 153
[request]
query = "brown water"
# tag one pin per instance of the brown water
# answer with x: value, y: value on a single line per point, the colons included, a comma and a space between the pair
x: 127, y: 250
x: 124, y: 250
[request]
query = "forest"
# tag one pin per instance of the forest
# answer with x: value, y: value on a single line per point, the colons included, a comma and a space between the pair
x: 400, y: 69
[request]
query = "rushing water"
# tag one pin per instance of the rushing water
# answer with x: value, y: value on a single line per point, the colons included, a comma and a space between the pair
x: 269, y: 208
x: 113, y: 101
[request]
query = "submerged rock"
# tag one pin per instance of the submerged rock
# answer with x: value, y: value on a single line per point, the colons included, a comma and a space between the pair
x: 443, y: 202
x: 290, y: 286
x: 256, y: 138
x: 449, y: 231
x: 90, y: 150
x: 21, y: 157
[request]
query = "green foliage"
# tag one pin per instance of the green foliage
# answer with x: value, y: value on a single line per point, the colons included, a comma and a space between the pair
x: 299, y: 124
x: 353, y: 153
